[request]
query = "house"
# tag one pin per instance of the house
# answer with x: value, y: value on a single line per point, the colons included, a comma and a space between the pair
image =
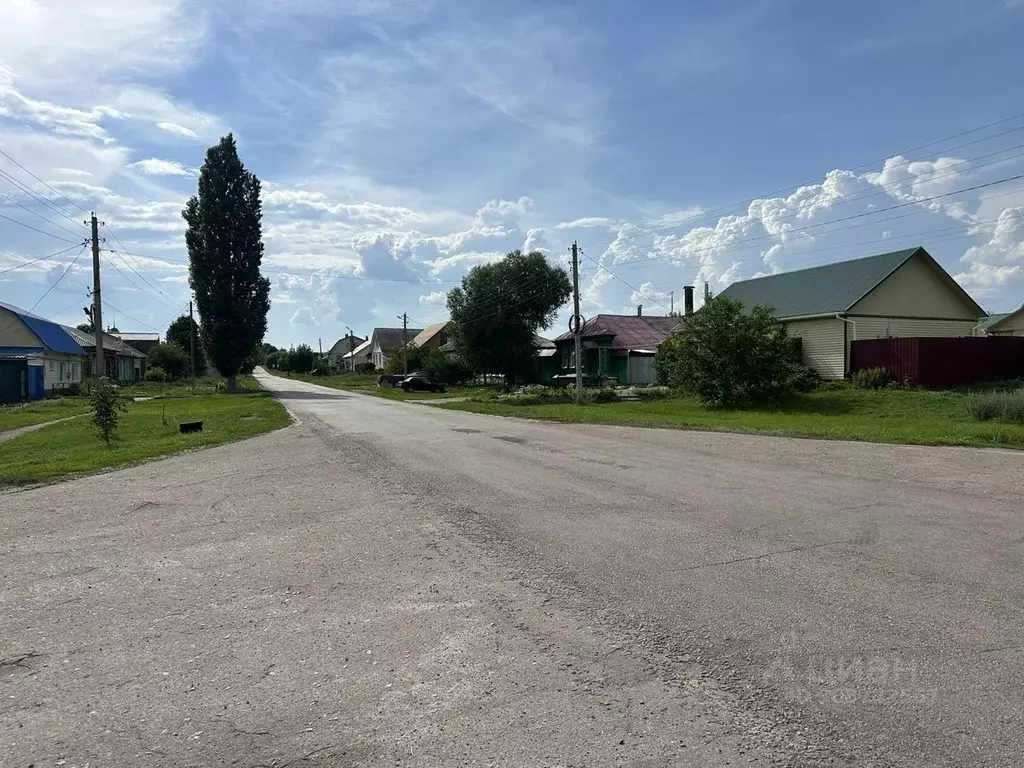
x: 122, y: 363
x: 432, y: 337
x: 619, y: 347
x: 359, y: 358
x: 138, y: 341
x: 900, y: 294
x: 342, y: 347
x: 1008, y: 324
x: 37, y: 356
x: 386, y: 342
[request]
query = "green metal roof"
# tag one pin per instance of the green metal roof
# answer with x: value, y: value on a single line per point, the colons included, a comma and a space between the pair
x: 824, y: 290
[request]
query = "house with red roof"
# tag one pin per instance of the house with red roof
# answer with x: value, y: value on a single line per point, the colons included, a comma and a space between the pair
x: 616, y: 347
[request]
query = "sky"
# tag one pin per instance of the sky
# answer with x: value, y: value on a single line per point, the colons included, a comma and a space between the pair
x: 402, y: 143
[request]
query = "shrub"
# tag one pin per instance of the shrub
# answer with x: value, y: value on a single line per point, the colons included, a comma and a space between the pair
x: 871, y: 378
x: 601, y: 395
x: 107, y: 405
x: 169, y: 357
x: 1002, y: 406
x: 156, y: 373
x: 301, y: 359
x: 728, y: 357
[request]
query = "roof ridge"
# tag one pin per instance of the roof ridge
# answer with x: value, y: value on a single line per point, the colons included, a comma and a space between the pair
x: 908, y: 251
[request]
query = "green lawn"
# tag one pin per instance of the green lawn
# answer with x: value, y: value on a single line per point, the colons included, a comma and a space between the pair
x: 366, y: 383
x: 889, y: 416
x: 40, y: 411
x: 148, y: 430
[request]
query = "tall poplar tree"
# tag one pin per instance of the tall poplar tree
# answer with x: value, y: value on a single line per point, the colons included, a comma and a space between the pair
x: 225, y: 248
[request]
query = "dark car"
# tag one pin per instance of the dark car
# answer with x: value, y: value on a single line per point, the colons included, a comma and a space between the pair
x: 420, y: 382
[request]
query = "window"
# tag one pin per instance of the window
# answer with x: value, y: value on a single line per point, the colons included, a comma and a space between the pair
x: 569, y: 357
x: 62, y: 370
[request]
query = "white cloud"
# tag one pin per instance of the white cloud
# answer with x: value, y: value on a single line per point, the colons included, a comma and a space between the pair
x: 156, y: 167
x: 589, y: 222
x: 179, y: 130
x: 434, y: 299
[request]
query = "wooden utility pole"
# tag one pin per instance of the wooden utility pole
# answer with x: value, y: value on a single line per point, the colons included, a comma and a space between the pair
x: 672, y: 302
x: 351, y: 349
x: 577, y: 329
x: 405, y: 343
x: 192, y: 345
x: 99, y: 369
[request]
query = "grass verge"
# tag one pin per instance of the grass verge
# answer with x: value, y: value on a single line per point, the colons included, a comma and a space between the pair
x: 366, y: 383
x: 147, y: 430
x: 40, y: 411
x: 919, y: 417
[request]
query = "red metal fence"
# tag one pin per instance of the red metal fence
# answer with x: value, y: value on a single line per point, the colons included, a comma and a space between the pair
x: 942, y: 362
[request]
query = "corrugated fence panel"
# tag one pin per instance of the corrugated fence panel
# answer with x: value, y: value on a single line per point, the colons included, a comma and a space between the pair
x: 942, y: 362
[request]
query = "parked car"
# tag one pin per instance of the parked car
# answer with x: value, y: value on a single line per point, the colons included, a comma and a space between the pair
x: 420, y: 382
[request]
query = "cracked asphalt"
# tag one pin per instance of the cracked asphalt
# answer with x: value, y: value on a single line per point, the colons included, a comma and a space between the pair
x: 386, y: 583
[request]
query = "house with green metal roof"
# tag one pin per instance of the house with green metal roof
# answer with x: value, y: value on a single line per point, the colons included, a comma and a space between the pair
x: 1006, y: 324
x: 899, y: 294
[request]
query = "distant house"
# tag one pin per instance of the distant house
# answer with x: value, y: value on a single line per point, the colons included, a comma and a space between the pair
x: 359, y: 358
x: 619, y: 347
x: 386, y: 342
x: 432, y: 337
x: 900, y: 294
x: 37, y: 356
x: 122, y: 363
x: 341, y: 348
x: 1008, y: 324
x: 138, y: 341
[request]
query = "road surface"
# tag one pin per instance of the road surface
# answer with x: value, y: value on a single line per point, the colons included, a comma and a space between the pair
x: 387, y: 583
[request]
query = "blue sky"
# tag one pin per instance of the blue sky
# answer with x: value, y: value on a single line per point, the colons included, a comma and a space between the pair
x: 402, y: 143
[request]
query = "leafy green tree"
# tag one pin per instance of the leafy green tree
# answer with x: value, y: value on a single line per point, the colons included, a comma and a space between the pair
x: 500, y: 307
x: 282, y: 360
x: 301, y: 358
x: 85, y: 327
x: 225, y: 249
x: 728, y: 357
x: 169, y: 357
x: 179, y: 332
x: 107, y: 405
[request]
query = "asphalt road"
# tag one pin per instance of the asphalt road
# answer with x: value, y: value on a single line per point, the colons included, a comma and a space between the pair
x: 391, y: 584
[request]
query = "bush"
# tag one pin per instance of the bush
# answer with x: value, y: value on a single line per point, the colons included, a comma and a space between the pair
x: 156, y: 373
x: 170, y: 357
x: 872, y: 378
x: 601, y: 395
x: 107, y: 405
x: 1002, y: 406
x: 301, y: 359
x: 648, y: 393
x: 728, y: 357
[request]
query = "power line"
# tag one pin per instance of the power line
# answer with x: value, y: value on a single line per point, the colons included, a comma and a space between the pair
x: 136, y: 271
x: 861, y: 215
x: 35, y: 229
x: 635, y: 289
x: 878, y: 190
x: 37, y: 197
x: 35, y: 261
x: 54, y: 285
x: 37, y: 214
x: 142, y: 290
x: 45, y: 184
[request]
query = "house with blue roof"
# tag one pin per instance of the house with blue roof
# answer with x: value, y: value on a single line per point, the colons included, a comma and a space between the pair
x: 37, y: 356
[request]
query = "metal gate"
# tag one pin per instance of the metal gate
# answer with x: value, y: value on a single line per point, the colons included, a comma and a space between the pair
x: 12, y: 381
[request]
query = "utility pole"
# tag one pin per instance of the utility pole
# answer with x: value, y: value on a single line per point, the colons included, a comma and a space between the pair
x: 351, y: 349
x: 577, y: 329
x: 672, y: 302
x: 405, y: 343
x: 192, y: 345
x: 97, y: 311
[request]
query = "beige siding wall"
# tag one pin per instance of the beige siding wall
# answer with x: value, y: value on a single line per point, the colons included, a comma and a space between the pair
x: 1011, y: 326
x: 822, y: 345
x: 14, y: 333
x: 915, y: 290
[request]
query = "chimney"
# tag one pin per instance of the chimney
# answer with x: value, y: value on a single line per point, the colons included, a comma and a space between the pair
x: 707, y: 290
x: 639, y: 310
x: 687, y: 300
